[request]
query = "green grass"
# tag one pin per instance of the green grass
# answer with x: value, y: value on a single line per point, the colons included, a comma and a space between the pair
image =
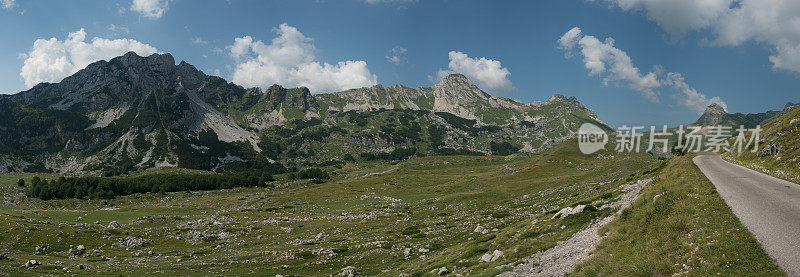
x: 785, y: 132
x: 368, y: 215
x: 689, y: 230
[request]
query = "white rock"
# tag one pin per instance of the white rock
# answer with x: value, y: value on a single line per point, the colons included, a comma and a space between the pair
x: 568, y: 211
x: 443, y: 271
x: 657, y: 196
x: 481, y: 230
x: 491, y: 257
x: 81, y: 247
x: 349, y: 271
x: 32, y: 263
x: 113, y: 225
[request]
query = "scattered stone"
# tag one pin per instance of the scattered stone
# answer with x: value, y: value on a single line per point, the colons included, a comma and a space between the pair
x: 481, y: 230
x: 320, y: 236
x: 349, y: 271
x: 287, y: 229
x: 81, y: 247
x: 526, y: 196
x: 404, y: 275
x: 132, y: 242
x: 407, y: 253
x: 771, y: 149
x: 443, y: 271
x: 491, y: 257
x: 568, y: 211
x: 423, y: 250
x: 657, y: 196
x: 113, y: 225
x: 80, y: 218
x: 32, y: 263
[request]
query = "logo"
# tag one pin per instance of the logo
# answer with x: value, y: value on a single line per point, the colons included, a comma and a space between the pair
x: 591, y: 138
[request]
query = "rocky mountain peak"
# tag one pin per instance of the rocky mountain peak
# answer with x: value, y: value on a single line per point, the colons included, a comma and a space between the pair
x: 713, y: 115
x: 458, y: 86
x: 560, y: 98
x: 715, y: 109
x: 296, y: 97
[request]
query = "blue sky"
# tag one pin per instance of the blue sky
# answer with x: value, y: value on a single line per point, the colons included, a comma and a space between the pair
x: 509, y: 48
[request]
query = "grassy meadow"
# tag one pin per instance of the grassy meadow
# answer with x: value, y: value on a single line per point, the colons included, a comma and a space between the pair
x: 382, y: 218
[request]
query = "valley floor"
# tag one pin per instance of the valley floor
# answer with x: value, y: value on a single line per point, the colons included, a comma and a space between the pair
x: 470, y: 215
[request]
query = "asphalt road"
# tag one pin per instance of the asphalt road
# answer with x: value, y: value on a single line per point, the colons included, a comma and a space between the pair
x: 769, y: 207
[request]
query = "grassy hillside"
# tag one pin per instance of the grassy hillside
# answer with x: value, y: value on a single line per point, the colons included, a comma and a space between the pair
x: 382, y: 218
x: 679, y: 225
x: 781, y: 139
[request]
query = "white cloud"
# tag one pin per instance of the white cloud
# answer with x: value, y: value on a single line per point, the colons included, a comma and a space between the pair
x: 487, y: 74
x: 8, y: 4
x: 613, y: 65
x: 397, y: 55
x: 118, y: 29
x: 688, y: 96
x: 732, y: 22
x: 150, y: 8
x: 290, y: 60
x: 199, y: 41
x: 50, y: 60
x: 678, y: 16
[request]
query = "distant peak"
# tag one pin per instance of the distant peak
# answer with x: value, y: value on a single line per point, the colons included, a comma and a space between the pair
x: 715, y: 108
x: 455, y: 77
x: 557, y: 97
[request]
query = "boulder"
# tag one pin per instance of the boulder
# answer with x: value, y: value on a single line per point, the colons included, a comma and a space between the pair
x: 480, y: 229
x: 491, y: 257
x: 349, y: 271
x: 443, y: 271
x: 568, y: 211
x: 113, y: 225
x: 32, y: 263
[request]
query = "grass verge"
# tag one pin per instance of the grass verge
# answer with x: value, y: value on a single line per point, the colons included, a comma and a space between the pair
x: 687, y: 230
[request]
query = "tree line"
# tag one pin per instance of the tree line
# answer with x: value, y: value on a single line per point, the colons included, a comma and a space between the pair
x: 111, y: 187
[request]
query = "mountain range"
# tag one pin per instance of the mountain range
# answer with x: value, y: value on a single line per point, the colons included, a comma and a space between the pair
x: 133, y: 113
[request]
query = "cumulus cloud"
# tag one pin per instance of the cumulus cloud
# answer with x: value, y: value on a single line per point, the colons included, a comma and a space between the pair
x: 290, y: 60
x: 688, y: 96
x: 487, y: 74
x: 731, y: 22
x: 613, y: 65
x: 8, y: 4
x: 50, y: 60
x: 397, y: 55
x: 150, y: 8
